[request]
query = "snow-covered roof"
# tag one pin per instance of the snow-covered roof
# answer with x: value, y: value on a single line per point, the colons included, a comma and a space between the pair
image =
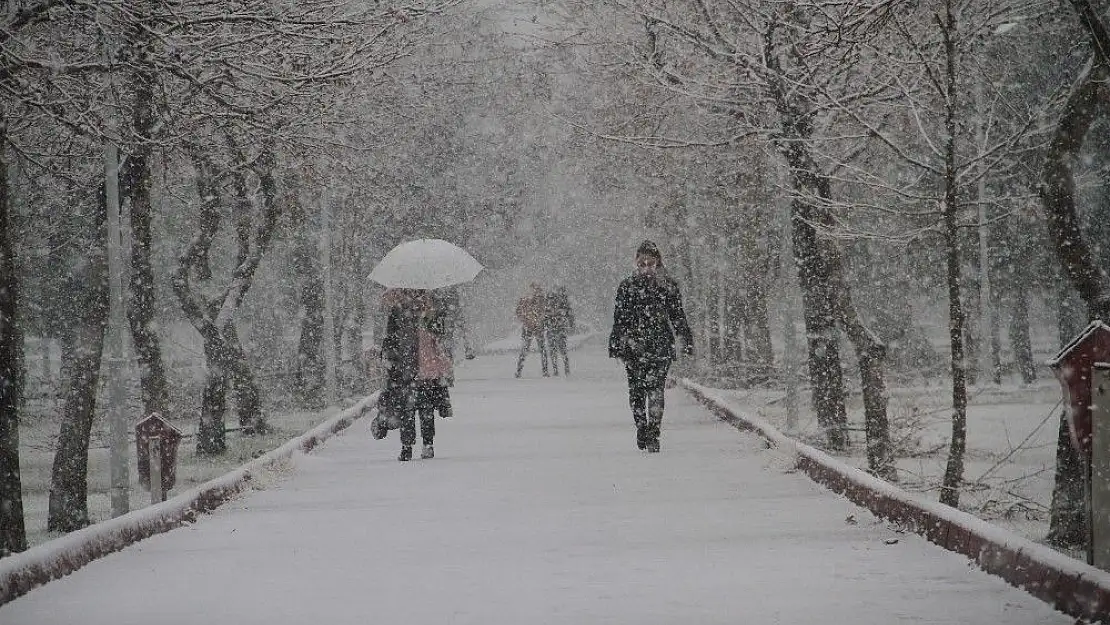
x: 1088, y: 331
x: 159, y: 416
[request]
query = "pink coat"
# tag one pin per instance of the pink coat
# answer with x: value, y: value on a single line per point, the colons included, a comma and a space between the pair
x: 433, y: 362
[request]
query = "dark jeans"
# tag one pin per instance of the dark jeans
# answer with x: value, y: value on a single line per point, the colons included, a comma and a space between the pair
x: 557, y: 344
x: 432, y: 397
x: 645, y: 392
x: 429, y: 397
x: 526, y: 337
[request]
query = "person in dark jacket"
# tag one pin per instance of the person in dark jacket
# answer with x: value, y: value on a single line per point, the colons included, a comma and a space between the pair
x: 558, y: 321
x: 399, y: 356
x: 647, y: 314
x: 417, y: 369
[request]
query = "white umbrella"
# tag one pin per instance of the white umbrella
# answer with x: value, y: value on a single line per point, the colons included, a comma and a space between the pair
x: 425, y: 264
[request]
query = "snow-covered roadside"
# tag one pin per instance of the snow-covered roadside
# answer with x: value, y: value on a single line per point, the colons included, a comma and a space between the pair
x: 56, y: 558
x: 1070, y: 586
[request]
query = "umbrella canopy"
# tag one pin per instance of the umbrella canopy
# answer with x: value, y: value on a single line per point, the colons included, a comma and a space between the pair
x: 425, y: 264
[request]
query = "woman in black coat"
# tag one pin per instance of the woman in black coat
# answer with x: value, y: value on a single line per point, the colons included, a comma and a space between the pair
x: 647, y: 314
x: 399, y: 353
x: 405, y: 392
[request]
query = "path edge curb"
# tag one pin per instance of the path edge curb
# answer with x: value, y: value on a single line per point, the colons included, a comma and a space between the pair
x: 1070, y: 586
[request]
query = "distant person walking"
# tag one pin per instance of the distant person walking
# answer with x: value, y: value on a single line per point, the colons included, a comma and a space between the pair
x: 559, y: 323
x: 530, y: 312
x: 647, y: 314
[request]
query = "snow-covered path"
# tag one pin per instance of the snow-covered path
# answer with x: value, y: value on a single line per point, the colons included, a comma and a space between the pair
x: 537, y: 509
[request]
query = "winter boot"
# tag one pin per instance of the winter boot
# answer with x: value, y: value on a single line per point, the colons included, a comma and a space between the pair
x: 652, y: 437
x: 641, y: 437
x: 406, y: 453
x: 427, y: 453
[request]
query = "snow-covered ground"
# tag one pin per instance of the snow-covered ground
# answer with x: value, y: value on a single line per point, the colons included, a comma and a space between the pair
x: 510, y: 344
x: 537, y: 509
x: 1011, y: 444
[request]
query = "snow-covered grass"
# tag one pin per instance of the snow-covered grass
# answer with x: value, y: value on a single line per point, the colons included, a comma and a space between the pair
x: 65, y: 554
x: 1011, y: 452
x: 1080, y: 589
x: 37, y: 456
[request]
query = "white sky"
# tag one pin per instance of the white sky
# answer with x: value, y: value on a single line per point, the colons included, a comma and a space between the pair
x: 537, y: 509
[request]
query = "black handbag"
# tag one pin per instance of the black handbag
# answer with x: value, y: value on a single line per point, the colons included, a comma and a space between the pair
x: 390, y: 403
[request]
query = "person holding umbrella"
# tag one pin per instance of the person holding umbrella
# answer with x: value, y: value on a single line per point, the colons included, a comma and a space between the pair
x: 416, y: 365
x: 647, y: 314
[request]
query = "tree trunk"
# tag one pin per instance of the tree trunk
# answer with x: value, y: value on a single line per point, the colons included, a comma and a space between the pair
x: 1020, y: 340
x: 241, y: 380
x: 309, y: 382
x: 822, y: 338
x: 818, y: 305
x: 13, y: 534
x: 248, y: 398
x: 686, y: 253
x: 1069, y: 312
x: 1057, y: 192
x: 141, y: 308
x: 735, y: 319
x: 972, y: 339
x: 760, y: 350
x: 871, y: 354
x: 996, y: 336
x: 715, y: 310
x: 82, y: 351
x: 211, y: 430
x: 1067, y: 524
x: 954, y: 471
x: 228, y: 368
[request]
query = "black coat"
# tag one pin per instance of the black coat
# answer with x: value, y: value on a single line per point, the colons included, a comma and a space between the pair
x: 558, y: 317
x: 400, y: 348
x: 647, y: 314
x: 400, y: 357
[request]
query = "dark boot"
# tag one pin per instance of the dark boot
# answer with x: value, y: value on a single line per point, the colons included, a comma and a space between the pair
x: 652, y: 437
x: 406, y: 453
x: 641, y: 437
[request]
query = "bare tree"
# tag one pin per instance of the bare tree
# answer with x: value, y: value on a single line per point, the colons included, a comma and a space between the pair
x: 13, y: 536
x: 82, y: 349
x: 936, y: 40
x: 34, y: 94
x: 228, y: 369
x: 1086, y: 103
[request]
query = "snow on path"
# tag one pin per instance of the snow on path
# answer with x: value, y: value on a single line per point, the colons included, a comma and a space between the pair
x: 537, y: 509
